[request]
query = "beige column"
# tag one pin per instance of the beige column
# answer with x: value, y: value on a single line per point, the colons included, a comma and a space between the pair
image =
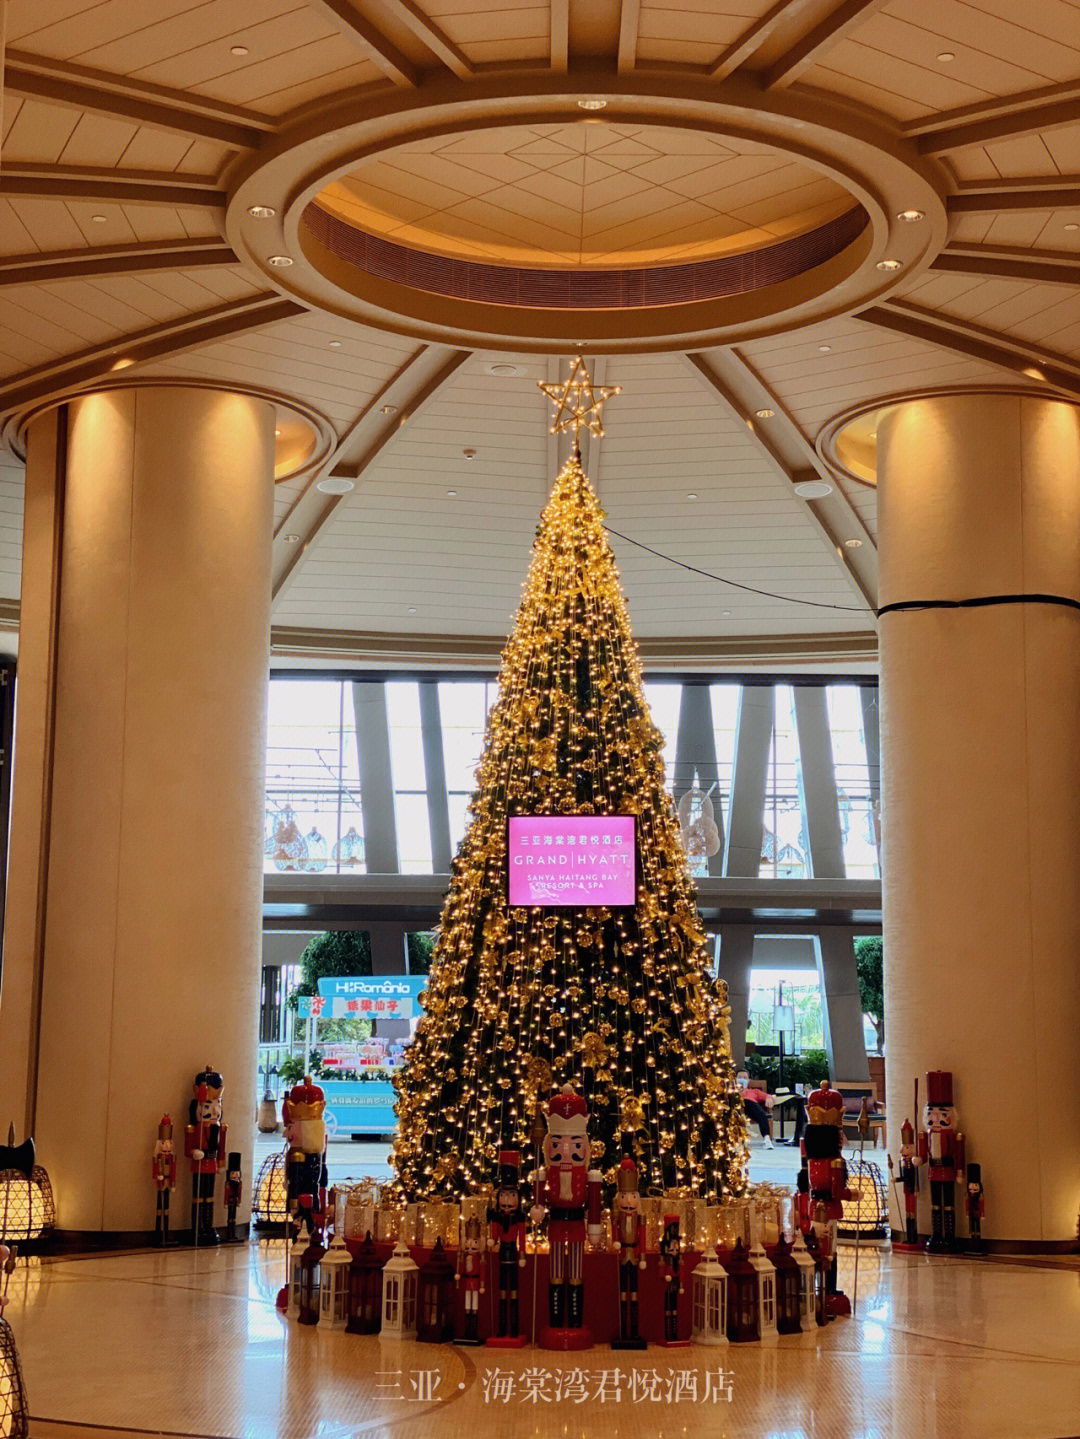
x: 980, y: 752
x: 132, y: 931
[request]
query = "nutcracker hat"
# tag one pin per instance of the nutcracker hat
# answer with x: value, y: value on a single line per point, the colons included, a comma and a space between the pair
x: 209, y: 1079
x: 472, y: 1227
x: 670, y: 1219
x: 939, y: 1089
x: 825, y: 1106
x: 509, y: 1168
x: 568, y: 1114
x: 907, y: 1132
x: 164, y: 1129
x: 234, y: 1160
x: 974, y: 1174
x: 304, y: 1101
x: 626, y: 1176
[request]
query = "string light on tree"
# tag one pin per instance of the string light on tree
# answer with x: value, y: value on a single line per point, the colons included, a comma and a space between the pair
x: 620, y: 1003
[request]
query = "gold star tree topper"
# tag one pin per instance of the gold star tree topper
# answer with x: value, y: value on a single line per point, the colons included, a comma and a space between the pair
x: 577, y: 401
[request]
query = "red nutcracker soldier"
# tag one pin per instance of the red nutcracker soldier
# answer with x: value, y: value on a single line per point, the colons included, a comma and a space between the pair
x: 822, y: 1183
x: 507, y: 1224
x: 163, y: 1169
x: 302, y: 1111
x: 976, y: 1208
x: 470, y: 1267
x: 670, y: 1270
x: 234, y: 1192
x: 941, y: 1149
x: 567, y: 1190
x: 628, y: 1227
x: 909, y: 1179
x: 204, y: 1146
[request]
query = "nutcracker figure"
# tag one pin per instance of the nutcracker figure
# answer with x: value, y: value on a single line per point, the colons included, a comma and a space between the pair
x: 822, y: 1183
x: 941, y: 1149
x: 567, y: 1190
x: 470, y: 1267
x: 163, y: 1168
x: 909, y: 1178
x: 670, y: 1267
x: 976, y: 1208
x: 234, y: 1190
x: 628, y: 1227
x: 204, y: 1146
x: 507, y: 1223
x: 302, y: 1111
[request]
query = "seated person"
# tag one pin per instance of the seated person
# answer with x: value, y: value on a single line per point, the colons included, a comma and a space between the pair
x: 756, y: 1104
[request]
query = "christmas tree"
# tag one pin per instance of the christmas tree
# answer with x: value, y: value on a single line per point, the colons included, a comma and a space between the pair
x: 621, y: 1003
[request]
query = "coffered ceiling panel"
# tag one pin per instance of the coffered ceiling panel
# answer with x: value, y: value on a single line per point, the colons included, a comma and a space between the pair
x: 710, y: 139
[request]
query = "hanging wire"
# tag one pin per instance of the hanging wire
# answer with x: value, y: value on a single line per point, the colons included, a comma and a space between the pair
x: 734, y: 584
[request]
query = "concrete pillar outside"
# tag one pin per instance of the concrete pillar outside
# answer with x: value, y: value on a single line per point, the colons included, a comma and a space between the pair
x: 980, y: 748
x: 841, y: 1007
x: 133, y: 923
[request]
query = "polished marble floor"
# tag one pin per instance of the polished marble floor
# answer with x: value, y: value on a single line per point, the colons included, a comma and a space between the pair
x: 191, y: 1344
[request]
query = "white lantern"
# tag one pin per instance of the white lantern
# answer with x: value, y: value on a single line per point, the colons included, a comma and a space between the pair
x: 807, y: 1271
x: 296, y: 1274
x: 708, y: 1296
x: 766, y: 1278
x: 334, y: 1285
x: 399, y: 1290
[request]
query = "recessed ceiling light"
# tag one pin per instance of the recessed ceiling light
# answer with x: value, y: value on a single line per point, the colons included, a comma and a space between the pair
x: 280, y: 261
x: 853, y: 544
x: 335, y: 344
x: 1072, y: 225
x: 765, y: 414
x: 1029, y: 370
x: 277, y: 434
x: 726, y: 614
x: 389, y: 409
x: 945, y: 56
x: 291, y: 539
x: 121, y: 364
x: 594, y: 103
x: 813, y: 489
x: 824, y: 349
x: 335, y: 486
x: 452, y: 494
x: 470, y: 454
x: 911, y: 217
x: 691, y: 497
x: 238, y: 50
x: 890, y: 264
x: 262, y: 212
x: 99, y: 219
x: 412, y: 609
x: 503, y: 371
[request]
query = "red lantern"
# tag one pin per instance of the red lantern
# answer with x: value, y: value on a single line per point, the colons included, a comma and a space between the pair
x: 365, y: 1290
x: 788, y: 1289
x: 435, y: 1303
x: 742, y: 1315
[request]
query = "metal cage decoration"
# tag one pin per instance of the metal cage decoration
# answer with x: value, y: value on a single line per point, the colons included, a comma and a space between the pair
x: 867, y: 1215
x: 27, y: 1206
x: 270, y: 1208
x: 14, y: 1421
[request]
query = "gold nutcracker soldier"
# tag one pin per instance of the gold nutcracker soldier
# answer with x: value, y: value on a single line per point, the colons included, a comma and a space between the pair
x: 163, y: 1169
x: 204, y: 1146
x: 628, y: 1229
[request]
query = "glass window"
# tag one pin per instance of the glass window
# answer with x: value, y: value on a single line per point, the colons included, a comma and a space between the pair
x: 858, y: 827
x: 409, y: 777
x: 724, y: 700
x: 802, y: 990
x: 785, y: 852
x: 463, y: 712
x: 312, y: 821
